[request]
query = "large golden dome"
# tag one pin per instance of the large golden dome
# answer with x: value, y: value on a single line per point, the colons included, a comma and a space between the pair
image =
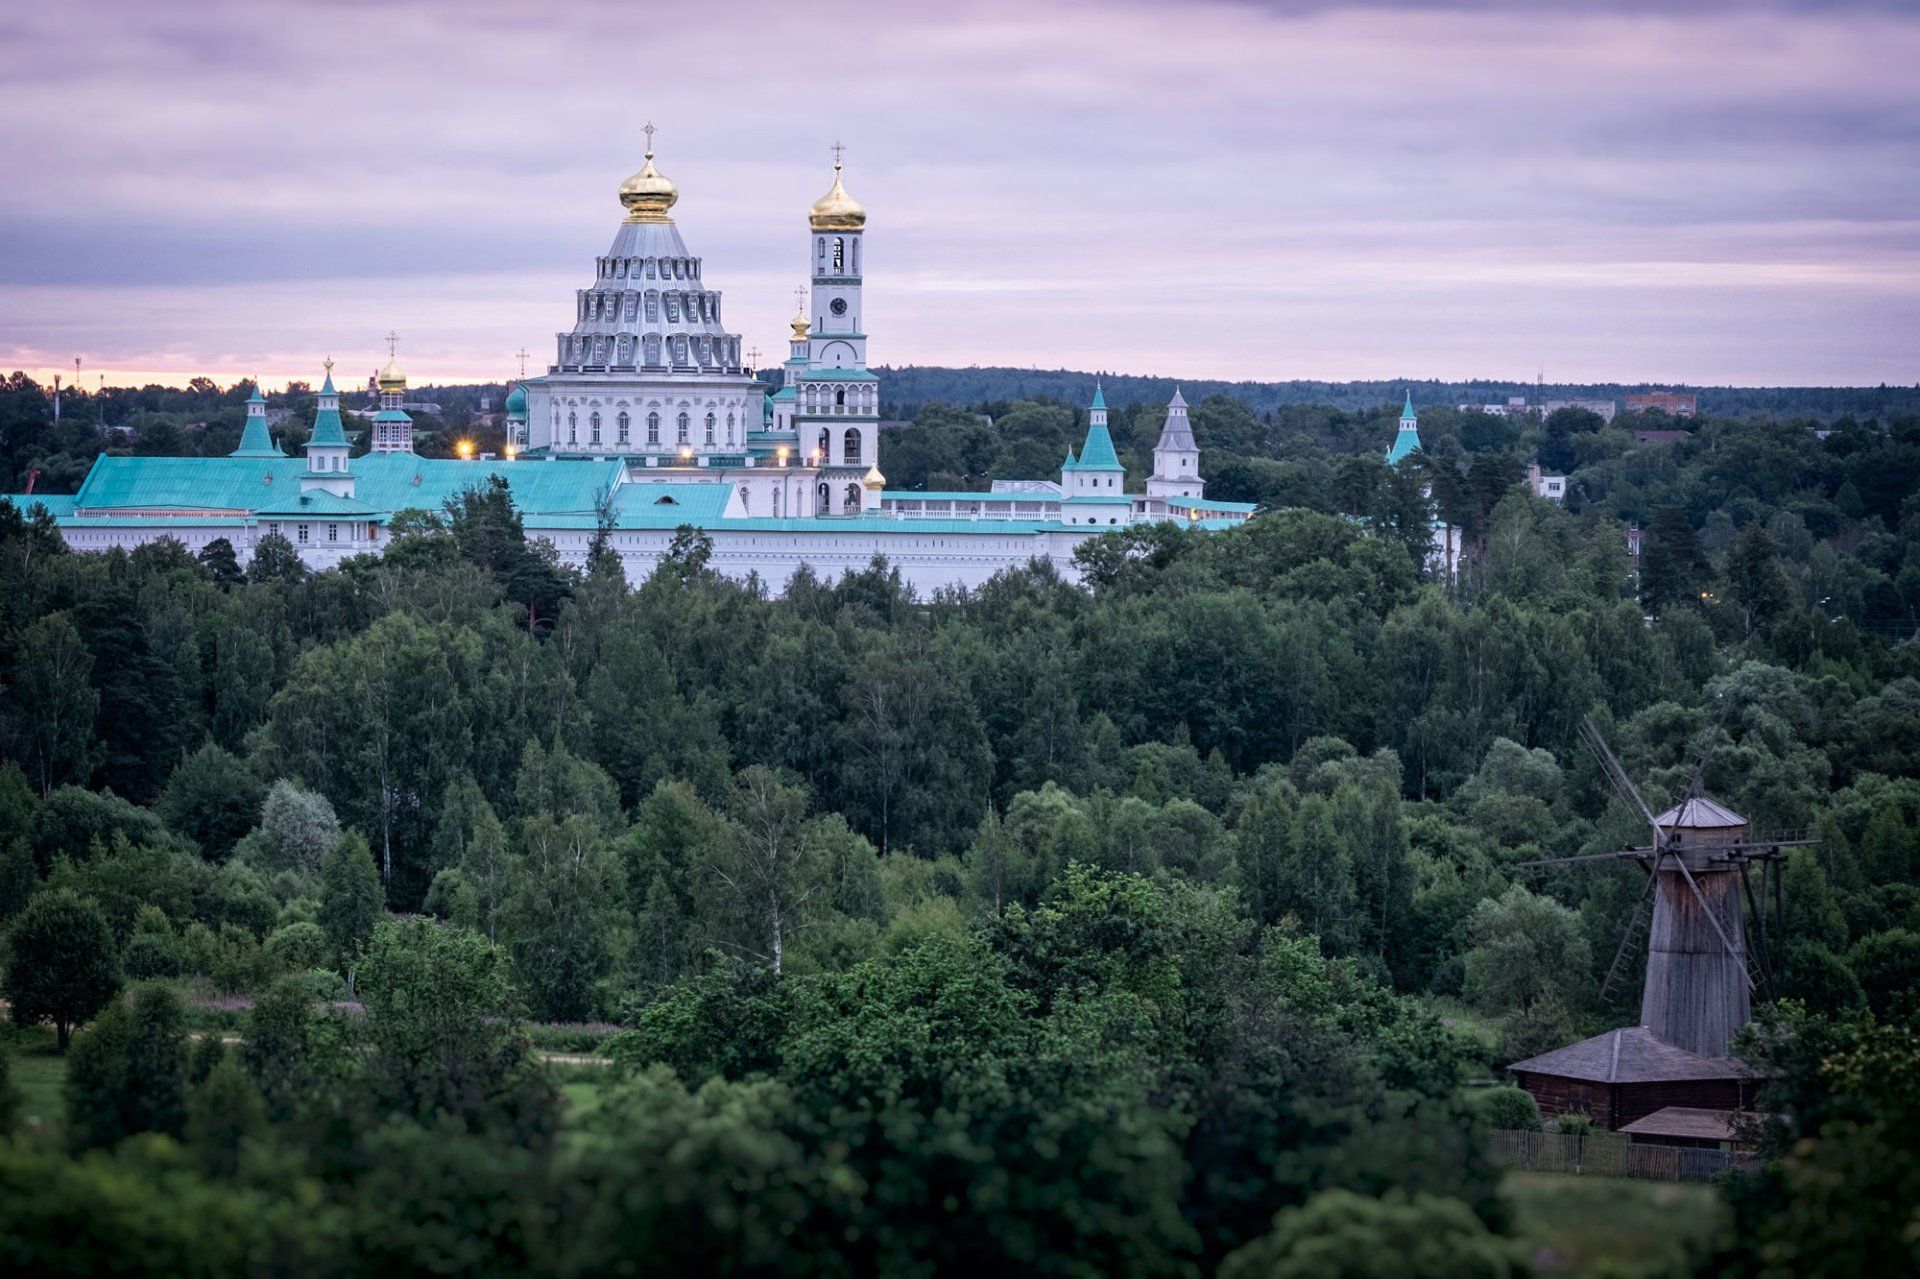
x: 836, y: 210
x: 648, y: 194
x: 391, y: 379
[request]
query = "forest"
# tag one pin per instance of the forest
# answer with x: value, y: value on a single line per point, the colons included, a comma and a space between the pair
x: 457, y: 910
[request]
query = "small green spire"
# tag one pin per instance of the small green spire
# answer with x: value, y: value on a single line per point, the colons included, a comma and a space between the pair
x: 1099, y: 400
x: 1407, y: 411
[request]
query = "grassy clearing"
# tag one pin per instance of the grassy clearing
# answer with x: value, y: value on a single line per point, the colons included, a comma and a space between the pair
x: 1611, y: 1226
x: 39, y: 1072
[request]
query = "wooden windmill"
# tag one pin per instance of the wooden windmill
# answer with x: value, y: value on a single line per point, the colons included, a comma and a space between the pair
x: 1706, y: 955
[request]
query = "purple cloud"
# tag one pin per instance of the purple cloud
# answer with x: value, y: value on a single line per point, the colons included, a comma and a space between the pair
x: 1711, y: 192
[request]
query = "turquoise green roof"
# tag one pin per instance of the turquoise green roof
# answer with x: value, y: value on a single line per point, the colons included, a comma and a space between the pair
x: 383, y: 481
x: 1097, y: 453
x: 1099, y: 400
x: 1209, y: 504
x: 58, y: 505
x: 517, y: 401
x: 1070, y: 463
x: 327, y: 430
x: 255, y: 439
x: 256, y: 397
x: 1406, y: 413
x: 326, y: 388
x: 1406, y: 442
x: 316, y: 503
x: 839, y: 375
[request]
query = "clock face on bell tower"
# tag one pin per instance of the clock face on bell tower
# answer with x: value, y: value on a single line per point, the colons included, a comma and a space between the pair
x: 839, y: 306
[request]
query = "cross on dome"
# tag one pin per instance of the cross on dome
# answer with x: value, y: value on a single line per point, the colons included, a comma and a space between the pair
x: 648, y: 129
x: 839, y: 150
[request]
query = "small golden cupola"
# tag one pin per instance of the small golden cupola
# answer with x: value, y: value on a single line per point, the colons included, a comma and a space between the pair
x: 836, y: 210
x: 649, y: 193
x: 801, y: 326
x: 391, y: 380
x: 873, y: 480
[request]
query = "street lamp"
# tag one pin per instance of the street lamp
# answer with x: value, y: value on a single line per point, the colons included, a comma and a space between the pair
x: 465, y: 449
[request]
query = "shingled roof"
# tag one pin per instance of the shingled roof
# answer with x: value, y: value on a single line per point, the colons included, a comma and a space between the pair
x: 1689, y: 1121
x: 1630, y: 1055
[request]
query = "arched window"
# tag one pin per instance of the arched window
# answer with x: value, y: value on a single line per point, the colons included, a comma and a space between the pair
x: 826, y: 444
x: 710, y: 428
x: 840, y: 397
x: 853, y: 499
x: 653, y: 303
x: 573, y: 427
x: 851, y: 443
x: 683, y: 424
x: 653, y: 428
x: 593, y: 427
x: 746, y: 500
x: 823, y: 500
x: 856, y: 257
x: 776, y: 504
x: 625, y: 422
x: 729, y: 426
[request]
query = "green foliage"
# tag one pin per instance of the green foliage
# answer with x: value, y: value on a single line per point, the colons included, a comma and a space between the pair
x: 441, y: 1033
x: 1507, y: 1107
x: 128, y: 1071
x: 299, y: 827
x: 211, y: 799
x: 61, y: 963
x: 350, y: 898
x: 1342, y: 1235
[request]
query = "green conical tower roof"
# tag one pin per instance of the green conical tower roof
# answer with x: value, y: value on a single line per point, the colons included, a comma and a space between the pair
x: 1097, y: 453
x: 255, y: 439
x: 1406, y: 441
x: 327, y: 427
x: 1099, y: 400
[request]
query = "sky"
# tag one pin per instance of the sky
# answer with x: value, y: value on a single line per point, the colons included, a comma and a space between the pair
x: 1617, y: 190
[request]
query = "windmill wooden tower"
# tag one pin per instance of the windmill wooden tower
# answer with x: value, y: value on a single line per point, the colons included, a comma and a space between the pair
x: 1710, y: 937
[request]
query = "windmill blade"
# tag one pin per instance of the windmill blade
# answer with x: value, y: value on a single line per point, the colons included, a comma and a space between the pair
x: 1718, y: 931
x: 1642, y: 917
x: 1622, y: 784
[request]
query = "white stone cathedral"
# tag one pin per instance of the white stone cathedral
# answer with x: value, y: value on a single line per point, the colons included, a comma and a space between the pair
x: 648, y: 421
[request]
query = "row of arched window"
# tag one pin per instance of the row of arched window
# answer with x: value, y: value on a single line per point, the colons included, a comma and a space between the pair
x: 650, y: 268
x: 834, y: 255
x: 612, y: 307
x: 861, y: 398
x: 623, y: 427
x: 850, y: 445
x: 677, y: 351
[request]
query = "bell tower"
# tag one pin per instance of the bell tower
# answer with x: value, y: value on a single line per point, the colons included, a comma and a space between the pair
x: 838, y: 226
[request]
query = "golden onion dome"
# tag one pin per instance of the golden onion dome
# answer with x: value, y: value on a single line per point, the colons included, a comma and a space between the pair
x: 391, y: 379
x: 873, y: 479
x: 801, y: 326
x: 836, y: 210
x: 648, y: 194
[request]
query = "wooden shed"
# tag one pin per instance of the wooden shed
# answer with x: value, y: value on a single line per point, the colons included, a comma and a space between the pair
x: 1625, y: 1075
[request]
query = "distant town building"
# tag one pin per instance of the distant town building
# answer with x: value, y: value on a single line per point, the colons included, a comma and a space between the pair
x: 1517, y: 406
x: 1673, y: 403
x: 1604, y: 408
x: 1551, y: 487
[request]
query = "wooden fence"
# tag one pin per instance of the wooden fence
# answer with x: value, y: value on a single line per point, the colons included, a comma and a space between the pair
x: 1608, y: 1154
